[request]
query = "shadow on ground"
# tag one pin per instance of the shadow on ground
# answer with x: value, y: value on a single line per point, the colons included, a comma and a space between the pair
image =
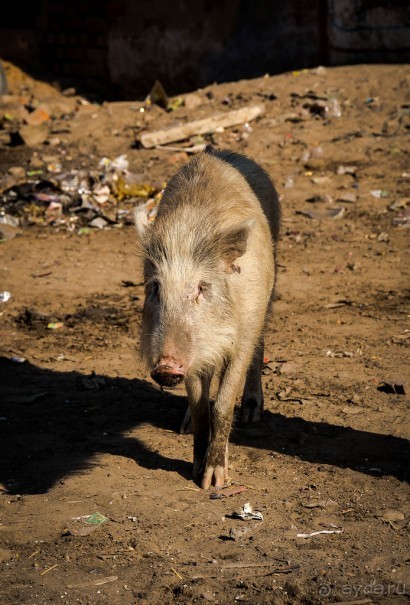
x: 52, y: 423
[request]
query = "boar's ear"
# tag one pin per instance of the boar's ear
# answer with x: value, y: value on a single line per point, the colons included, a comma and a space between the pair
x: 233, y: 244
x: 143, y: 230
x: 140, y: 220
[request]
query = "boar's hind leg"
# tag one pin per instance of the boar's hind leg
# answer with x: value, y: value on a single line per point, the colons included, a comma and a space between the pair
x: 198, y: 396
x: 252, y: 399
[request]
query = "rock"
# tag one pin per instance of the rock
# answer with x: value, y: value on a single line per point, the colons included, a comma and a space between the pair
x: 38, y: 116
x: 348, y: 197
x: 192, y: 101
x: 33, y: 135
x: 17, y: 171
x: 7, y: 232
x: 5, y: 555
x: 35, y: 161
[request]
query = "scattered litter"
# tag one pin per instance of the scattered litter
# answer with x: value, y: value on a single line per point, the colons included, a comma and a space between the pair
x: 96, y: 519
x: 403, y: 218
x: 322, y: 531
x: 393, y: 388
x: 55, y: 325
x: 17, y: 359
x: 330, y: 353
x: 98, y: 223
x: 346, y: 170
x: 84, y: 525
x: 227, y: 490
x: 246, y: 513
x: 5, y: 296
x: 8, y: 219
x: 378, y: 193
x: 96, y: 582
x: 337, y: 304
x: 320, y: 180
x: 323, y: 107
x: 336, y: 212
x: 399, y: 204
x: 75, y: 199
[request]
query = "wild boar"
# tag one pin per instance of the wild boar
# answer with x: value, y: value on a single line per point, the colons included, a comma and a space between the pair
x: 209, y: 273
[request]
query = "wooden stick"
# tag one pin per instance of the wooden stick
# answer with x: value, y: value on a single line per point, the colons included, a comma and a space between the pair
x: 361, y: 602
x: 246, y: 565
x: 219, y: 120
x: 49, y: 569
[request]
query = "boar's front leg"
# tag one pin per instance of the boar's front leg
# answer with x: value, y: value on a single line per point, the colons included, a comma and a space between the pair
x: 216, y: 466
x: 198, y: 396
x: 252, y: 399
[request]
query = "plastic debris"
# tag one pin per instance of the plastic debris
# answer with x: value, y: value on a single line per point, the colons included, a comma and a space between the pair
x: 378, y: 193
x: 130, y: 185
x: 17, y: 359
x: 347, y: 170
x: 336, y: 212
x: 96, y: 519
x: 157, y: 96
x: 394, y: 388
x: 403, y: 218
x: 84, y: 525
x: 120, y: 163
x: 98, y: 223
x: 246, y: 513
x: 5, y: 296
x: 55, y: 325
x: 322, y: 531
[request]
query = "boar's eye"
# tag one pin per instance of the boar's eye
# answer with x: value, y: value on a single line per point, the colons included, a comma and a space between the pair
x: 153, y: 289
x: 203, y: 290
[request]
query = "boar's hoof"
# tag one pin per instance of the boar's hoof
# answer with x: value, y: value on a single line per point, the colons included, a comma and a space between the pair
x: 166, y: 376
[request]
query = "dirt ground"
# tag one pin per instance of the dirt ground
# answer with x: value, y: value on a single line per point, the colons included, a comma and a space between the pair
x: 84, y: 430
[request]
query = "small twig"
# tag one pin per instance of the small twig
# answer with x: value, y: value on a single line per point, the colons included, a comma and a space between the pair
x: 245, y: 565
x: 176, y: 573
x: 34, y: 553
x: 49, y: 569
x: 284, y: 569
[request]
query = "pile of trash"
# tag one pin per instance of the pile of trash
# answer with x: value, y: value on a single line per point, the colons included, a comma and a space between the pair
x: 78, y: 199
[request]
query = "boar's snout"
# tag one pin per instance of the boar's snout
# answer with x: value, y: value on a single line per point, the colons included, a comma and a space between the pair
x: 168, y: 373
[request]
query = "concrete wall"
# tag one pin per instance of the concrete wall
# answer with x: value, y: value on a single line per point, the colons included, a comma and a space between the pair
x: 117, y: 48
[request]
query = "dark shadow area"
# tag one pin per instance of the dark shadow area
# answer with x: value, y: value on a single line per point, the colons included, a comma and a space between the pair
x: 52, y: 423
x: 116, y: 50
